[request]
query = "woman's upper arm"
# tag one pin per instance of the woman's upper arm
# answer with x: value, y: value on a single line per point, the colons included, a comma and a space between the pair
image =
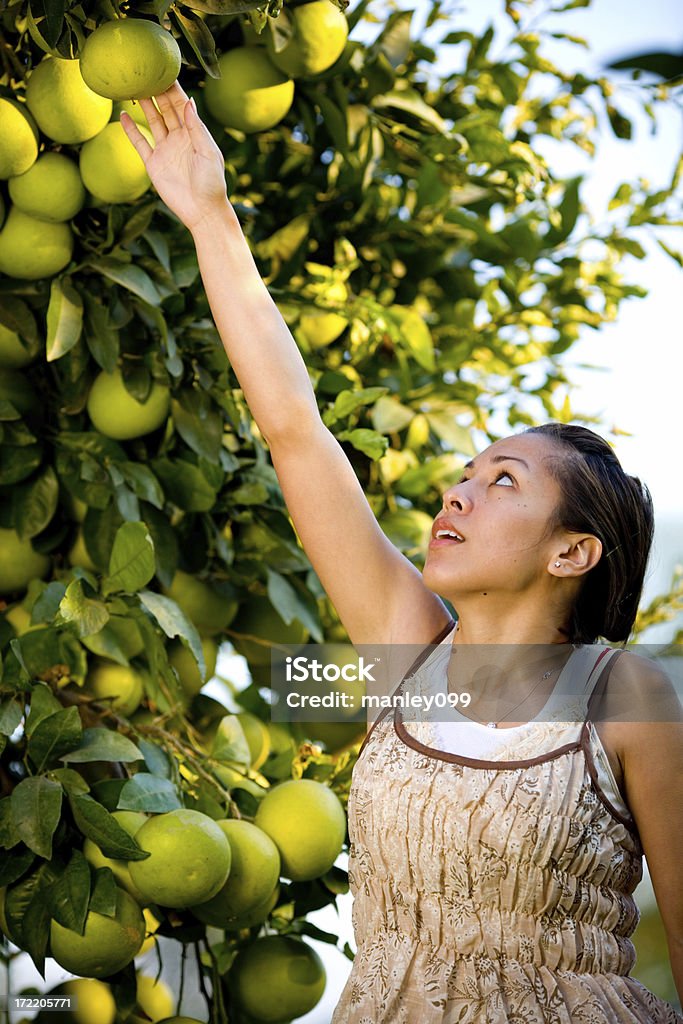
x: 377, y: 592
x: 652, y: 756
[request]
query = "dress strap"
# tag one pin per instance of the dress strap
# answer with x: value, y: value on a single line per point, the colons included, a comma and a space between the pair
x: 422, y: 656
x: 598, y: 678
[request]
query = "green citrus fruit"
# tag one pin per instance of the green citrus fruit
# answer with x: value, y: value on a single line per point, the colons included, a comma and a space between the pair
x: 132, y: 822
x: 64, y: 107
x: 184, y: 663
x: 111, y: 169
x: 13, y: 353
x: 108, y: 679
x: 277, y: 978
x: 258, y: 618
x: 50, y: 190
x: 94, y: 1003
x: 257, y: 736
x: 19, y: 139
x: 15, y: 388
x: 130, y: 58
x: 152, y: 926
x: 107, y: 945
x: 257, y: 915
x: 209, y: 610
x: 189, y: 862
x: 318, y: 40
x: 306, y: 821
x: 154, y: 997
x: 254, y: 873
x: 251, y: 94
x: 231, y: 778
x: 32, y: 248
x: 131, y: 107
x: 116, y: 414
x: 19, y: 562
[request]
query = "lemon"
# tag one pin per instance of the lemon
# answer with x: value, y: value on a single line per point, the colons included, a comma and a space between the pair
x: 107, y: 945
x: 318, y: 40
x: 184, y: 663
x: 130, y: 58
x: 94, y: 1003
x: 254, y: 873
x: 306, y: 821
x: 251, y: 94
x: 19, y: 562
x: 108, y: 679
x: 132, y: 822
x: 116, y: 414
x: 189, y: 862
x: 209, y: 610
x: 19, y: 149
x: 32, y: 248
x: 257, y: 617
x: 111, y: 169
x: 13, y: 353
x: 51, y: 189
x: 65, y: 109
x: 277, y: 978
x: 154, y: 997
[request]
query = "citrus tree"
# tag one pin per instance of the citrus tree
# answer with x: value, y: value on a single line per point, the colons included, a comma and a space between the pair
x: 427, y: 262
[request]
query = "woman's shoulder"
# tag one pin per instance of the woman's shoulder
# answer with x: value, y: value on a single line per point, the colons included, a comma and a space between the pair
x: 644, y: 688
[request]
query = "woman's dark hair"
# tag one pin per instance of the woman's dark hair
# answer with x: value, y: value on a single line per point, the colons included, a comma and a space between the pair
x: 598, y: 497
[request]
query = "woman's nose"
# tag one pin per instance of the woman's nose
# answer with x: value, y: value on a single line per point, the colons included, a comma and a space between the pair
x: 455, y: 497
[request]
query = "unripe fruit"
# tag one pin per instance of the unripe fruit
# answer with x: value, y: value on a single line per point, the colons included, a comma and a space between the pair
x: 116, y: 414
x: 32, y: 248
x: 13, y: 353
x: 64, y: 107
x: 319, y: 38
x: 277, y: 978
x: 111, y: 169
x: 251, y: 94
x: 254, y: 873
x: 51, y: 190
x: 209, y: 610
x: 107, y: 679
x: 107, y: 945
x: 306, y: 821
x: 19, y: 149
x: 19, y: 562
x: 130, y: 58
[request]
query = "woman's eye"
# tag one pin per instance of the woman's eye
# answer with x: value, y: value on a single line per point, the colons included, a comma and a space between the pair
x: 501, y: 475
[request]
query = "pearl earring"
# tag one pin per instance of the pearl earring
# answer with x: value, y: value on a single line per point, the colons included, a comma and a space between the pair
x: 557, y: 565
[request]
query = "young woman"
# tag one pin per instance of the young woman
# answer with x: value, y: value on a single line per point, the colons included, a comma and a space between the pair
x: 492, y: 868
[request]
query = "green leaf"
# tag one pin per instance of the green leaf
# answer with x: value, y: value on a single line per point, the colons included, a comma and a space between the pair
x: 35, y: 503
x: 409, y: 102
x: 64, y: 318
x: 11, y: 714
x: 98, y: 744
x: 185, y: 485
x: 52, y: 13
x: 18, y: 317
x: 55, y: 735
x: 146, y: 792
x: 9, y: 836
x: 444, y: 426
x: 143, y: 483
x: 101, y: 337
x: 229, y: 742
x: 104, y: 893
x: 27, y: 909
x: 198, y: 422
x: 130, y: 277
x: 199, y: 37
x: 98, y: 824
x: 347, y: 402
x: 70, y: 894
x: 87, y: 615
x: 156, y: 759
x: 174, y: 623
x: 388, y: 415
x: 47, y: 604
x: 132, y: 560
x: 14, y: 863
x: 36, y: 807
x: 369, y: 442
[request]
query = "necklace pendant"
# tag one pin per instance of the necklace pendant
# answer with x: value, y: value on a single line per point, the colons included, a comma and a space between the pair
x: 492, y: 725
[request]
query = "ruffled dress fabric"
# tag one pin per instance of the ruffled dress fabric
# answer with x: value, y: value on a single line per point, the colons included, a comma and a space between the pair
x: 492, y: 891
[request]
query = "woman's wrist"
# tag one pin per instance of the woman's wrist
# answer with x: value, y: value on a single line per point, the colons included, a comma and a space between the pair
x: 221, y: 214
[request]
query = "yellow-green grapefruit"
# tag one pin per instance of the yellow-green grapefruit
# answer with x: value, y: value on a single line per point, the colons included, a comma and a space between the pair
x: 19, y: 562
x: 132, y: 822
x: 277, y: 978
x: 251, y: 94
x: 19, y: 149
x: 107, y: 679
x: 65, y: 109
x: 130, y: 58
x: 306, y: 821
x: 210, y: 611
x: 154, y: 997
x: 257, y: 617
x: 318, y: 40
x: 107, y: 945
x: 257, y: 915
x: 92, y: 1002
x: 183, y: 661
x: 50, y: 190
x: 117, y: 414
x: 131, y: 107
x: 31, y: 248
x: 189, y: 862
x: 111, y: 169
x: 254, y: 873
x: 13, y: 353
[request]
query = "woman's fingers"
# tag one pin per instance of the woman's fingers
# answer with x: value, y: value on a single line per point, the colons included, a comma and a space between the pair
x: 172, y: 116
x: 136, y: 137
x: 155, y: 121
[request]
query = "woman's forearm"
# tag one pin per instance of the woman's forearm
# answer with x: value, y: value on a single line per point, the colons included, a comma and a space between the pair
x: 257, y: 341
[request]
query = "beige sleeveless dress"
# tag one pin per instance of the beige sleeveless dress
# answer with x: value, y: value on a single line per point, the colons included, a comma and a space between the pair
x: 492, y: 891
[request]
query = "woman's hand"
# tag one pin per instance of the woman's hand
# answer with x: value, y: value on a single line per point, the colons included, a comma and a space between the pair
x: 185, y: 165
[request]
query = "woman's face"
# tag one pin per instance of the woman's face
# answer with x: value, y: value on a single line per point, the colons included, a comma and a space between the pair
x: 502, y: 508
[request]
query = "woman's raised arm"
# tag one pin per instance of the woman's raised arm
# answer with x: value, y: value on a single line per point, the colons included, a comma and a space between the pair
x: 379, y: 595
